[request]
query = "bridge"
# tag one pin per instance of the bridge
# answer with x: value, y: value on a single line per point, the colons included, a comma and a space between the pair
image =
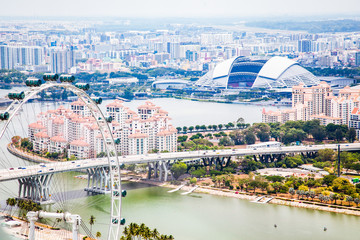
x: 34, y: 180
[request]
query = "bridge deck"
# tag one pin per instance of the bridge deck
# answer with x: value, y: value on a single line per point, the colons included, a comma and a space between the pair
x: 56, y: 167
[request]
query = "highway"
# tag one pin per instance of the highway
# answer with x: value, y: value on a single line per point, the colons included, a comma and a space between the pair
x: 57, y: 167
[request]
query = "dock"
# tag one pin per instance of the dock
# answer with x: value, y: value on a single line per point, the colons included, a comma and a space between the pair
x: 176, y: 189
x: 191, y: 190
x: 258, y: 199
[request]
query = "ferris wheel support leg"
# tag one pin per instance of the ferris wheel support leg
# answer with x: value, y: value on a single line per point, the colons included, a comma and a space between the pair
x: 32, y: 217
x: 75, y: 219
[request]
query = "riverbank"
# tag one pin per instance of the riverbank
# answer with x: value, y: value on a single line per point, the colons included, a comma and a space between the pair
x: 27, y: 156
x: 251, y: 197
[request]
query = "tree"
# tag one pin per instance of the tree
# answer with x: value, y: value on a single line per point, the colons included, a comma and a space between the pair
x: 326, y: 155
x: 11, y: 202
x: 328, y: 179
x: 178, y: 129
x: 349, y: 199
x: 250, y: 138
x: 91, y: 222
x: 184, y: 129
x: 249, y: 165
x: 237, y: 136
x: 263, y: 136
x: 309, y: 126
x: 226, y: 141
x: 193, y: 181
x: 191, y: 128
x: 98, y: 234
x: 343, y: 185
x: 339, y: 135
x: 178, y: 169
x: 356, y: 201
x: 351, y: 135
x: 318, y: 133
x: 220, y: 126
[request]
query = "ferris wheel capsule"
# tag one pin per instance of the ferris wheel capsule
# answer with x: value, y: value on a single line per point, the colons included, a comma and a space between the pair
x: 53, y: 77
x: 67, y: 78
x: 83, y: 86
x: 33, y: 82
x: 97, y: 100
x: 16, y: 95
x: 4, y: 116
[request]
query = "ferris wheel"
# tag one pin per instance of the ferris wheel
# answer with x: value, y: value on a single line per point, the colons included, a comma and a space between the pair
x: 28, y: 172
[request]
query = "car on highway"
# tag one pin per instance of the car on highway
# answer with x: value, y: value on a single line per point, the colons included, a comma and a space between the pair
x: 72, y: 162
x: 39, y: 171
x: 51, y: 169
x: 19, y: 167
x: 11, y: 168
x: 42, y: 165
x: 77, y: 165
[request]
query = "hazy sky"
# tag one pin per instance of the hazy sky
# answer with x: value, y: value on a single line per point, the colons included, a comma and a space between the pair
x: 179, y: 8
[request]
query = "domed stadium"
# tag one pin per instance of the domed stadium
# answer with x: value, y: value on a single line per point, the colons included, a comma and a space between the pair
x: 246, y: 72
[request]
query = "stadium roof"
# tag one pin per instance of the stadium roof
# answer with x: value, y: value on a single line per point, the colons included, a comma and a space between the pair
x: 255, y: 72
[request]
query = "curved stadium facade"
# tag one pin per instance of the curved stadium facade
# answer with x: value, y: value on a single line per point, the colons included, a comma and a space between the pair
x: 246, y: 72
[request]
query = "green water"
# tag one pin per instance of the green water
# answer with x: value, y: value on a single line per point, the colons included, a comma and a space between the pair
x: 202, y: 216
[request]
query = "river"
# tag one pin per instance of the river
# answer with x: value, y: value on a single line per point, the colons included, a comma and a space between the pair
x: 195, y: 216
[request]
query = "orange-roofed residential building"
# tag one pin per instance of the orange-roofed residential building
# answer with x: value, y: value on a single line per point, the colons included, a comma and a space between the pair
x: 70, y: 127
x: 355, y: 121
x: 41, y: 141
x: 34, y: 128
x: 80, y: 149
x: 319, y: 102
x: 138, y: 143
x: 80, y: 108
x: 57, y: 144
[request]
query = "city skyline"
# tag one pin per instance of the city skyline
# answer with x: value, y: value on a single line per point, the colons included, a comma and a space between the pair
x: 162, y: 8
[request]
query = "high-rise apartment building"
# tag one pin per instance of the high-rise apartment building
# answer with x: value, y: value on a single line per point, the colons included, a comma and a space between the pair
x: 304, y: 45
x: 12, y: 56
x: 62, y: 60
x: 318, y: 102
x: 357, y: 58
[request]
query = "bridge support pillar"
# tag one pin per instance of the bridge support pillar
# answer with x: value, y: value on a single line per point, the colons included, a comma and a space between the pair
x: 164, y: 171
x: 98, y: 180
x: 36, y: 188
x: 161, y: 170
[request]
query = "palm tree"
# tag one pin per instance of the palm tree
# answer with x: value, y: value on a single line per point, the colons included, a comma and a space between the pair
x: 11, y: 202
x: 356, y: 201
x: 292, y: 191
x: 336, y: 197
x: 126, y: 231
x: 349, y: 199
x: 98, y: 234
x: 141, y: 230
x: 155, y: 234
x: 91, y: 222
